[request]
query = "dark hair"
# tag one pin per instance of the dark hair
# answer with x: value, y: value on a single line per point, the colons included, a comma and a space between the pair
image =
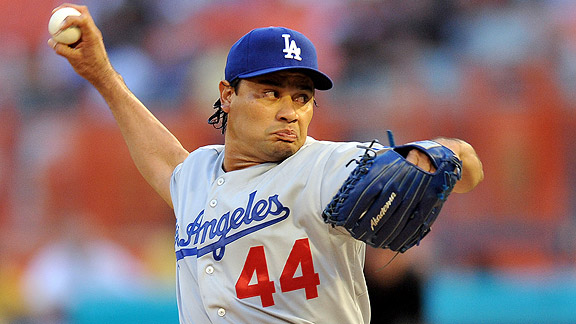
x: 219, y: 118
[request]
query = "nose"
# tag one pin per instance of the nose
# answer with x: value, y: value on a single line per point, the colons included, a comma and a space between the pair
x: 287, y: 110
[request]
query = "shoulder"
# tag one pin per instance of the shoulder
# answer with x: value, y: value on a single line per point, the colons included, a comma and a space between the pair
x: 208, y: 152
x: 313, y: 144
x: 335, y: 150
x: 202, y: 158
x: 326, y: 161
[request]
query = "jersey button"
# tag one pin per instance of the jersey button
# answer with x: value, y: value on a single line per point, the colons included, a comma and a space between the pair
x: 220, y: 181
x: 221, y: 312
x: 213, y: 203
x: 209, y: 270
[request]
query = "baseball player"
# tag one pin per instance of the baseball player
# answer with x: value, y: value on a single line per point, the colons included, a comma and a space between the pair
x: 251, y: 242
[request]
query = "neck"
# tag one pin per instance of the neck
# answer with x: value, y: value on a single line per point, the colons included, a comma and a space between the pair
x: 237, y: 160
x: 233, y: 165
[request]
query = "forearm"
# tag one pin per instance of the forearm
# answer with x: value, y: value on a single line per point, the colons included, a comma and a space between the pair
x: 472, y: 170
x: 154, y: 150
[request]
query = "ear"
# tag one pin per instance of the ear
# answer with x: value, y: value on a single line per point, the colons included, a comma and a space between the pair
x: 226, y: 92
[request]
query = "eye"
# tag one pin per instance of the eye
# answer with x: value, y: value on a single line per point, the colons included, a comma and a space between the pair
x: 302, y: 98
x: 270, y: 94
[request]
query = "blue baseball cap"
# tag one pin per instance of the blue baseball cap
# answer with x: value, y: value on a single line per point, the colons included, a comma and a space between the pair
x: 272, y: 49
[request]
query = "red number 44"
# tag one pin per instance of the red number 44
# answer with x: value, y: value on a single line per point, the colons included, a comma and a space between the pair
x: 264, y: 287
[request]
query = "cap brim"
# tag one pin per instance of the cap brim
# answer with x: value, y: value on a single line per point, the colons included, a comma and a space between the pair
x: 321, y: 80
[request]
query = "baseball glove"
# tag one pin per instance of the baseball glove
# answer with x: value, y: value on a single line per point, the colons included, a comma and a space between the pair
x: 389, y: 202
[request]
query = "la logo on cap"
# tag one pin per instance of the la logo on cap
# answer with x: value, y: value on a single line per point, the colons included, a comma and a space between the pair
x: 271, y: 49
x: 291, y: 49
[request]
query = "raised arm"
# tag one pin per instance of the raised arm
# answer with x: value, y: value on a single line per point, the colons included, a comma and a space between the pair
x: 155, y: 151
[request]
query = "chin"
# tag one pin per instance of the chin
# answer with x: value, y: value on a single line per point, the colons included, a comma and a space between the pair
x: 285, y: 150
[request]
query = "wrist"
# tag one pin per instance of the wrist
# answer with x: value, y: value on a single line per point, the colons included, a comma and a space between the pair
x: 457, y: 146
x: 107, y: 81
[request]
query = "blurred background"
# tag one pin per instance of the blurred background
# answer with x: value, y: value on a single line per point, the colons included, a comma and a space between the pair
x: 83, y: 239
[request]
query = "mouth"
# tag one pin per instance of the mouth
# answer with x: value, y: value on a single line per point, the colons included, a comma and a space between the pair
x: 286, y: 135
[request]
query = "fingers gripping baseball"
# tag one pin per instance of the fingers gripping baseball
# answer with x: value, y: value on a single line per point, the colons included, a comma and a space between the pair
x: 88, y: 56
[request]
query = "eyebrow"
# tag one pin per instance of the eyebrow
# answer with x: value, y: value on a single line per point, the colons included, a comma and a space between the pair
x: 281, y: 82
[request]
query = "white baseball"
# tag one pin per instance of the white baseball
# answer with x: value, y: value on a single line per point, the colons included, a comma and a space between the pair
x: 69, y: 35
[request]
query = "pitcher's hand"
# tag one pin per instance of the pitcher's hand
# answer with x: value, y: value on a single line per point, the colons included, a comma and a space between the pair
x: 88, y: 57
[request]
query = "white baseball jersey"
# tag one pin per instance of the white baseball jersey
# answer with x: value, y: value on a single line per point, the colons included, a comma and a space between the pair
x: 252, y: 247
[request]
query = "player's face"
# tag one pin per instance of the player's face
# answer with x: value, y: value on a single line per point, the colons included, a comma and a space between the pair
x: 268, y: 116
